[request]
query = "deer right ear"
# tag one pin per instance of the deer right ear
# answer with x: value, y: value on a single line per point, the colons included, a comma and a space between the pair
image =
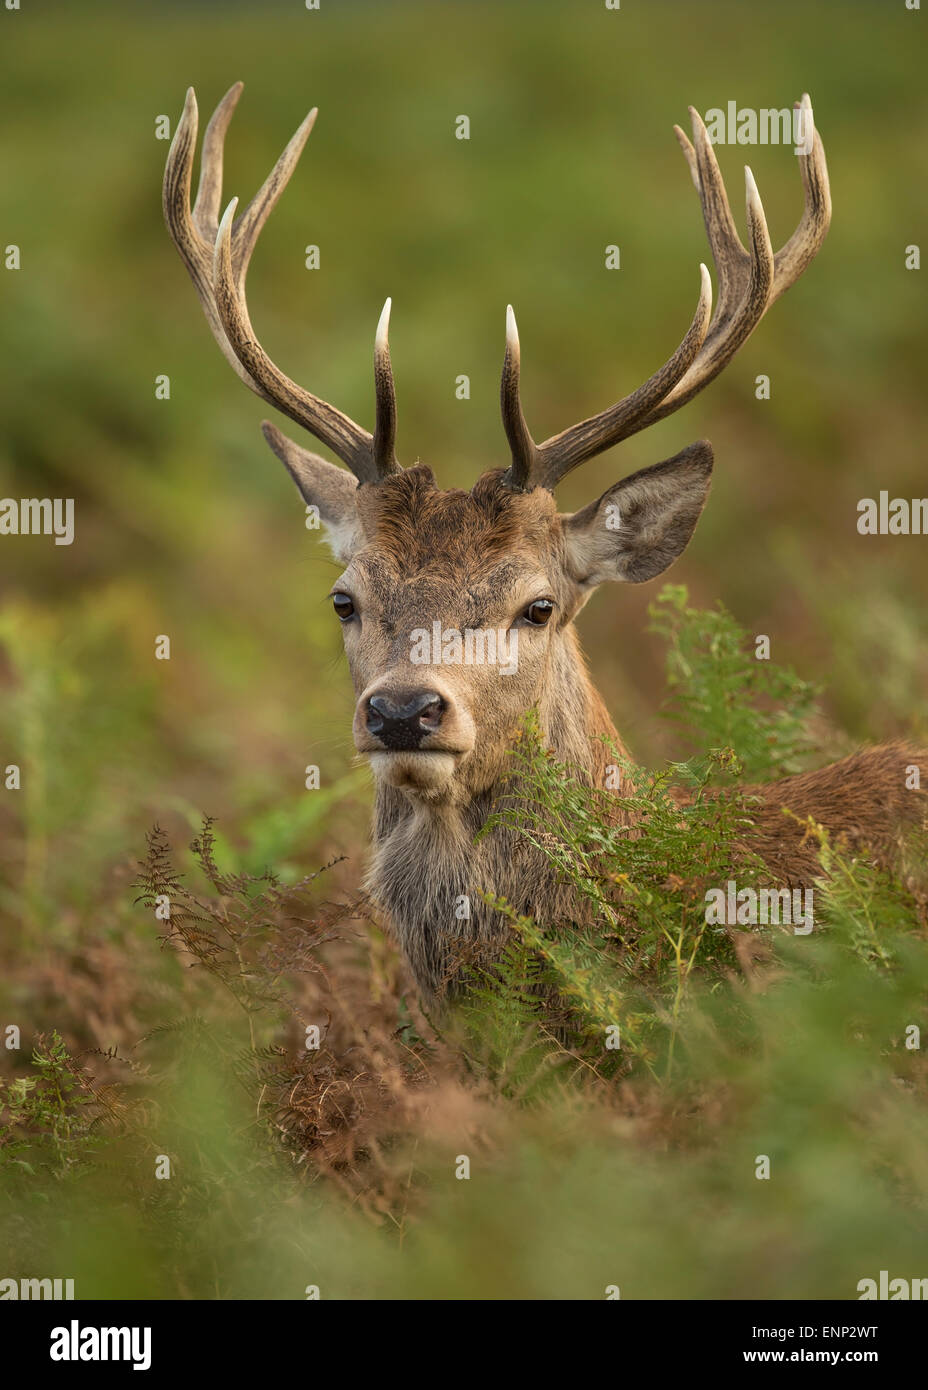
x: 332, y: 490
x: 637, y: 529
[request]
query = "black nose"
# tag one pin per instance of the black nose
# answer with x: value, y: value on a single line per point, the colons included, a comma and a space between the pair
x: 403, y: 718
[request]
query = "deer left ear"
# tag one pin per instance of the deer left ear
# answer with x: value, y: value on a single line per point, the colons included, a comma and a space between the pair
x: 638, y: 528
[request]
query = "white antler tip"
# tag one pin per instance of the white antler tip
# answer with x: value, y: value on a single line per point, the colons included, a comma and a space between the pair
x: 512, y: 331
x: 225, y: 224
x: 697, y: 122
x: 383, y: 325
x: 230, y: 100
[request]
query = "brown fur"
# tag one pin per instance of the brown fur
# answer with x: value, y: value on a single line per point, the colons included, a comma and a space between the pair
x: 863, y: 798
x: 472, y: 559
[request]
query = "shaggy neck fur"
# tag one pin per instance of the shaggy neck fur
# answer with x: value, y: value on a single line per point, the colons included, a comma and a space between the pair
x: 426, y: 863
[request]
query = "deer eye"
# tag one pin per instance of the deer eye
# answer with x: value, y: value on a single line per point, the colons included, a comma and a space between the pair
x: 539, y: 612
x: 343, y: 605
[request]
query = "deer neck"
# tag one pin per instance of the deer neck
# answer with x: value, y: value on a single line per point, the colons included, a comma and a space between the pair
x: 575, y: 724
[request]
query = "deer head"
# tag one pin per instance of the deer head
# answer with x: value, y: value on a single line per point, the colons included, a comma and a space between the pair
x: 424, y: 566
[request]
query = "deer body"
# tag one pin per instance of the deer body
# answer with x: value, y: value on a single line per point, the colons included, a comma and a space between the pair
x: 502, y: 559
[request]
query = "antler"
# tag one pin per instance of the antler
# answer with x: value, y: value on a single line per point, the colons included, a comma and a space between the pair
x: 217, y: 254
x: 749, y: 282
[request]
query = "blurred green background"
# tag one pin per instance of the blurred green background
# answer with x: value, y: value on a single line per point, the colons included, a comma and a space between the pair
x: 185, y: 523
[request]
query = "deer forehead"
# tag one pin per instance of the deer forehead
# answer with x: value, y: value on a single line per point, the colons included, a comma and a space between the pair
x: 409, y: 508
x: 475, y: 548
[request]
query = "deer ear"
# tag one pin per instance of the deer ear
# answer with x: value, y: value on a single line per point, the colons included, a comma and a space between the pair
x: 334, y: 491
x: 638, y: 528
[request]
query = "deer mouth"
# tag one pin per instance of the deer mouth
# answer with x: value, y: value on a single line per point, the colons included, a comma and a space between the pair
x: 423, y: 770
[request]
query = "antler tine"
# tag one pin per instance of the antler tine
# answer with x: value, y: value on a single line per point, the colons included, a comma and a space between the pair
x: 194, y: 235
x: 792, y: 259
x: 749, y: 282
x: 524, y: 449
x: 745, y: 297
x: 217, y: 254
x: 352, y: 445
x: 750, y: 279
x: 248, y: 226
x: 385, y: 395
x: 745, y: 277
x: 545, y: 464
x: 728, y: 252
x: 208, y: 201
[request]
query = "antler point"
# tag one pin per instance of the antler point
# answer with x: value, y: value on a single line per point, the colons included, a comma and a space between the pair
x: 383, y: 325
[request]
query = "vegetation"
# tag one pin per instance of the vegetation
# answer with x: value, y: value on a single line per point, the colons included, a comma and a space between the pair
x: 292, y: 1123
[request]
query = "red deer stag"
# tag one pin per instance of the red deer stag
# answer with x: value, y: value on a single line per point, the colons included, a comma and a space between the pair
x: 501, y: 560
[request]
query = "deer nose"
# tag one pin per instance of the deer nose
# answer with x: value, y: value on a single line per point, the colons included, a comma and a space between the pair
x: 403, y: 718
